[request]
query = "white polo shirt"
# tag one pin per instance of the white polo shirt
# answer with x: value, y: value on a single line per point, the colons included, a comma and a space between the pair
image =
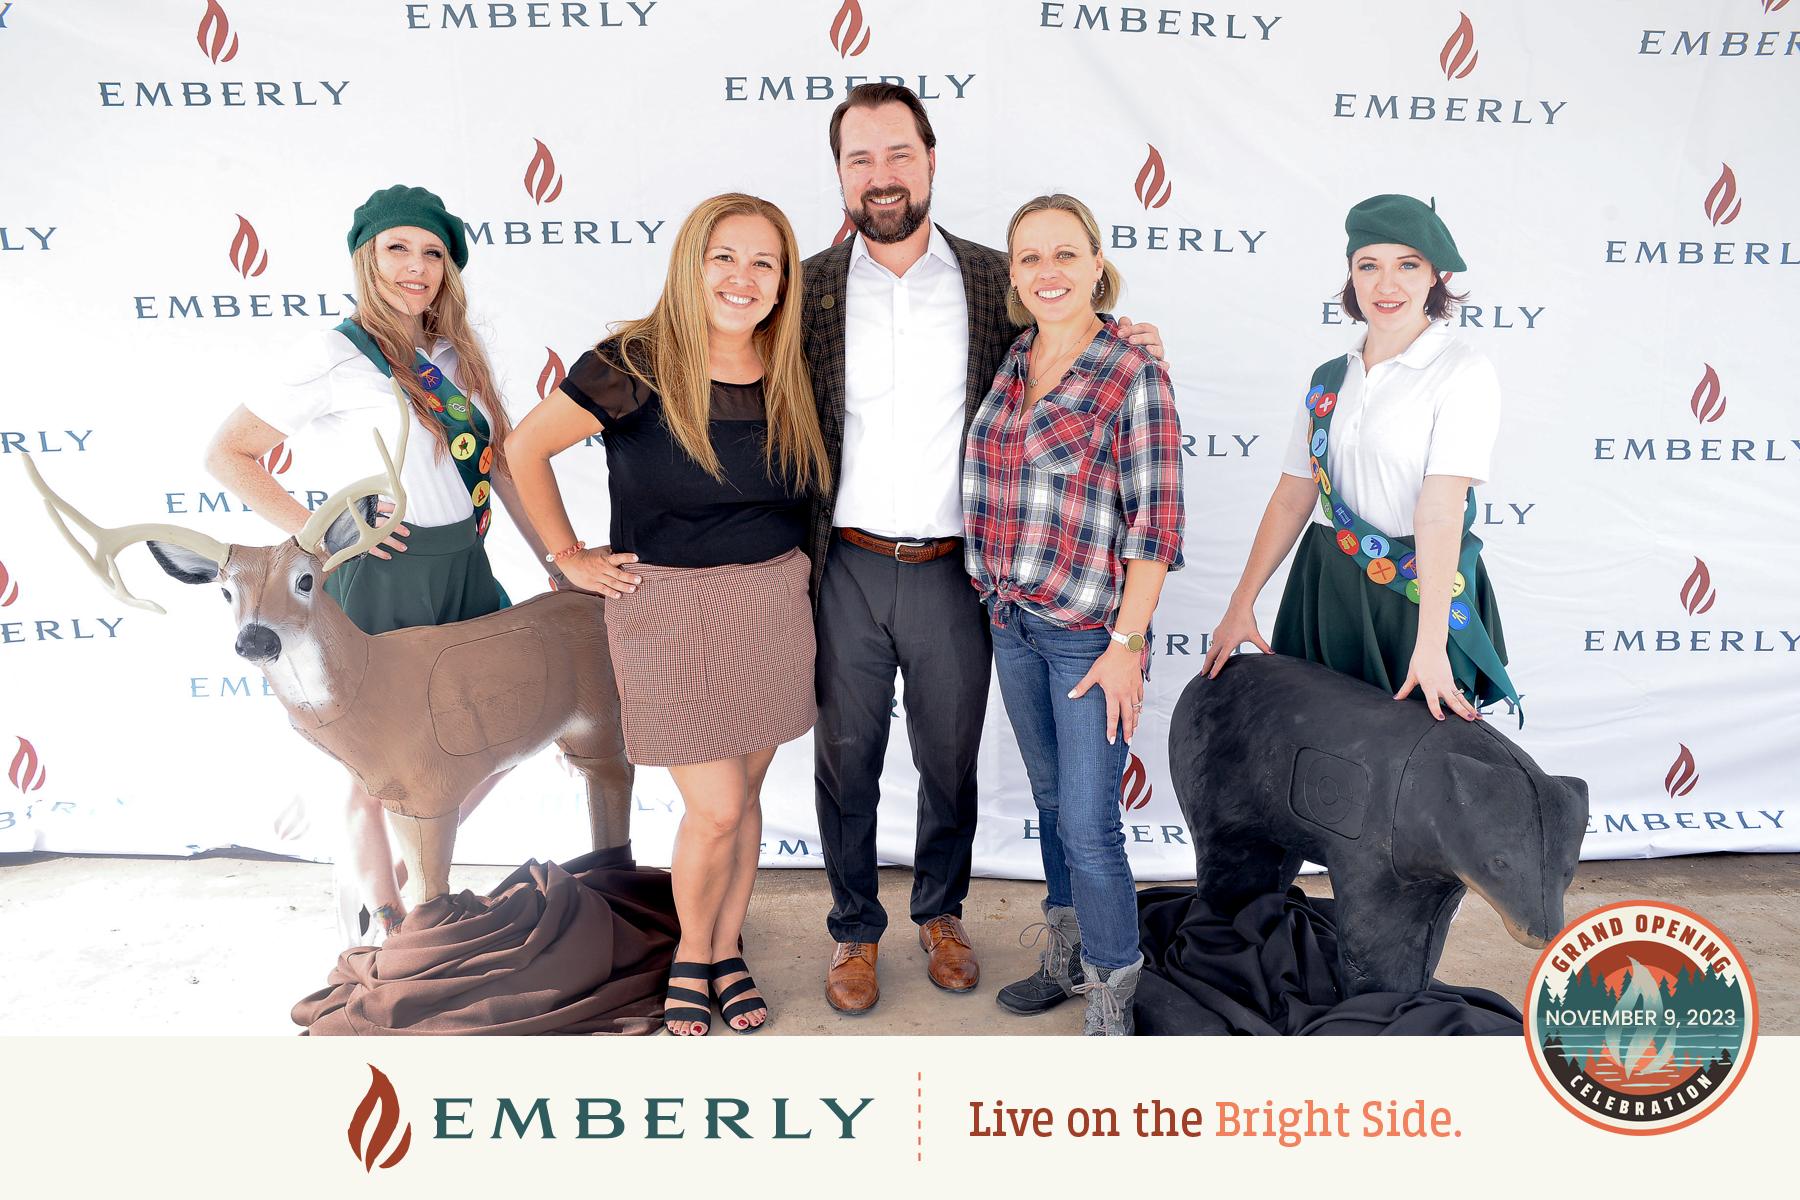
x: 906, y: 366
x: 331, y: 395
x: 1433, y: 409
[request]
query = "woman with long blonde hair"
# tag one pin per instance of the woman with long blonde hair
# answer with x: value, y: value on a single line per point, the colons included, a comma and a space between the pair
x: 713, y: 448
x: 411, y: 325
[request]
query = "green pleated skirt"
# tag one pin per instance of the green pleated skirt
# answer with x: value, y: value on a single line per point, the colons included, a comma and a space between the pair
x: 443, y: 576
x: 1332, y: 614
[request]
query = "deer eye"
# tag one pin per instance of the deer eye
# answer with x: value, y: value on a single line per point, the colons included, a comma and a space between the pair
x: 303, y: 585
x: 226, y: 592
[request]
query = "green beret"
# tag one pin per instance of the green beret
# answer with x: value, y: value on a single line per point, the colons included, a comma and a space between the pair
x: 393, y: 207
x: 1403, y: 221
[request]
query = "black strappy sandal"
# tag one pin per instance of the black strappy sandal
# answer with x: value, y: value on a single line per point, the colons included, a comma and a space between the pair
x: 729, y: 1005
x: 680, y: 1001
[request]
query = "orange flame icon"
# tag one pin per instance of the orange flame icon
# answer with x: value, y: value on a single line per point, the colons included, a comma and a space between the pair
x: 845, y: 28
x: 26, y: 772
x: 9, y: 587
x: 553, y: 374
x: 1459, y: 54
x: 214, y: 31
x: 380, y: 1096
x: 1682, y: 774
x: 1707, y: 405
x: 277, y: 460
x: 1722, y: 203
x: 1153, y: 186
x: 845, y: 230
x: 247, y: 255
x: 1698, y: 593
x: 1134, y: 789
x: 542, y: 183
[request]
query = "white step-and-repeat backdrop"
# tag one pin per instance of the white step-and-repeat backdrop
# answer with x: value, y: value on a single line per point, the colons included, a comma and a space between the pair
x: 177, y: 176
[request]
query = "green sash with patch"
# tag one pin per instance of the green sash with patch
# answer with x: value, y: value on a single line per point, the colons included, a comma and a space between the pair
x: 466, y: 428
x: 1392, y: 562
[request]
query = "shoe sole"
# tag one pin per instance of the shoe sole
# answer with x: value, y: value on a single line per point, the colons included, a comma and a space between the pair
x: 851, y: 1012
x: 1019, y: 1008
x: 957, y: 991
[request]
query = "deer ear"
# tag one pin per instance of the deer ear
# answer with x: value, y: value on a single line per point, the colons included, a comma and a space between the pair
x: 342, y: 532
x: 184, y: 564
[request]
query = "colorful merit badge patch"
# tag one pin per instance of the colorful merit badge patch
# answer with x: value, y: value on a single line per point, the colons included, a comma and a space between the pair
x: 1375, y: 546
x: 1326, y: 403
x: 1460, y: 615
x: 1408, y: 565
x: 1381, y: 570
x: 1318, y: 443
x: 1347, y: 541
x: 486, y: 465
x: 431, y: 378
x: 1312, y: 397
x: 462, y: 445
x: 1641, y: 1017
x: 479, y: 496
x: 459, y: 406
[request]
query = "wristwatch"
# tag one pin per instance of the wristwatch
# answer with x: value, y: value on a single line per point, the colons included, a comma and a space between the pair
x: 1133, y: 642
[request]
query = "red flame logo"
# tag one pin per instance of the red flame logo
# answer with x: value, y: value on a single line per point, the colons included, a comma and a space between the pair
x: 1153, y: 187
x: 1682, y: 774
x: 248, y: 257
x: 380, y: 1096
x: 845, y: 231
x: 1722, y: 203
x: 1707, y: 405
x: 845, y: 28
x: 277, y: 460
x: 26, y: 772
x: 1134, y: 789
x: 9, y: 587
x: 215, y: 29
x: 1698, y: 593
x: 553, y: 374
x: 1770, y: 6
x: 542, y: 183
x: 1459, y: 54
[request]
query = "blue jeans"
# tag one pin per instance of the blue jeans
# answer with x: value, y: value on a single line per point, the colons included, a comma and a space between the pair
x: 1075, y: 777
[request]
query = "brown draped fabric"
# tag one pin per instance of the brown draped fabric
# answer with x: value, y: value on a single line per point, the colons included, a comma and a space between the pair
x: 580, y: 948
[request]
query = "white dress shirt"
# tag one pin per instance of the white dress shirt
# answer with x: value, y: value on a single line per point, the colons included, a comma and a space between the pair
x: 906, y: 365
x: 333, y: 396
x: 1433, y: 409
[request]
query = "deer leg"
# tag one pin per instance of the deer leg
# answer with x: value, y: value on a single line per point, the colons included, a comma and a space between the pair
x: 426, y: 844
x: 609, y: 779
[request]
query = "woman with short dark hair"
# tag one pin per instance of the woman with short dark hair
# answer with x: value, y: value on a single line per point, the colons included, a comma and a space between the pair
x: 1388, y: 584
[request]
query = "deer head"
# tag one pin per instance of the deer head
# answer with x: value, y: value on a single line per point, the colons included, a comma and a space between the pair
x: 274, y: 590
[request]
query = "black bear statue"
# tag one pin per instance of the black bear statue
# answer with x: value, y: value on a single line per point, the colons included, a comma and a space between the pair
x: 1280, y: 760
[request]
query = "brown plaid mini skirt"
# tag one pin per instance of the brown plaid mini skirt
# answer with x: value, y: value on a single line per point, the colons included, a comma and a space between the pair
x: 713, y: 662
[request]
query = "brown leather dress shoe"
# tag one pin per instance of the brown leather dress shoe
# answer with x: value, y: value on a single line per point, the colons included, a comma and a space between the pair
x: 951, y: 961
x: 850, y: 985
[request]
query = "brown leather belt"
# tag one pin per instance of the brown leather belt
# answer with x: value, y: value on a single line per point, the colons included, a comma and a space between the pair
x: 907, y: 552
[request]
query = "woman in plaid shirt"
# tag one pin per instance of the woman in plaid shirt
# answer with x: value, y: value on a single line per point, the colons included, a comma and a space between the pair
x: 1072, y: 502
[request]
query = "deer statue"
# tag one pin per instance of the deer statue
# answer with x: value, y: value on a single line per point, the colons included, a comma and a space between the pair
x: 422, y: 715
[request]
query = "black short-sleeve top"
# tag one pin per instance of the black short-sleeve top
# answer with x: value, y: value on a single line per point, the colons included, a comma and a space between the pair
x: 665, y: 508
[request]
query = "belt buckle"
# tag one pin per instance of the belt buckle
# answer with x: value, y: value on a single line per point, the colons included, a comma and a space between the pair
x: 912, y: 545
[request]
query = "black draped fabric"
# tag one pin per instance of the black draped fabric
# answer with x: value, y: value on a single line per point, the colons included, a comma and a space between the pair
x: 581, y: 948
x: 1272, y: 969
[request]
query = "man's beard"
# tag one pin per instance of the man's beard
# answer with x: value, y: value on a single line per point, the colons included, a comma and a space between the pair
x: 892, y: 224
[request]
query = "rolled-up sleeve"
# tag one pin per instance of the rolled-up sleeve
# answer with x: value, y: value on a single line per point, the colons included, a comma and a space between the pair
x: 1149, y: 450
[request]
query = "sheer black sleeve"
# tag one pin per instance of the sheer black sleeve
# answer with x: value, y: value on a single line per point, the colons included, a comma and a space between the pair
x: 599, y: 384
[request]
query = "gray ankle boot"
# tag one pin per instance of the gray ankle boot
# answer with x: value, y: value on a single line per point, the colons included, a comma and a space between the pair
x: 1109, y: 998
x: 1055, y: 979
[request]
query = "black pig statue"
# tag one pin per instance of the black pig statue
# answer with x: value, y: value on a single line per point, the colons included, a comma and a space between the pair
x: 1280, y: 760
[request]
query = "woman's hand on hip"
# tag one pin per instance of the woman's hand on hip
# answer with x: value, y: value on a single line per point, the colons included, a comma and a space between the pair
x: 601, y: 571
x: 1430, y: 673
x: 1120, y: 674
x: 1236, y: 627
x: 393, y: 540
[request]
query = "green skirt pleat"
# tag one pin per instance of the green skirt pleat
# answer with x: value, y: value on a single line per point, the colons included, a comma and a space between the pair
x: 1332, y: 614
x: 442, y: 576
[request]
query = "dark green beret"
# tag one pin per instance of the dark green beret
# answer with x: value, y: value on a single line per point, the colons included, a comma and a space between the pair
x: 399, y: 205
x: 1403, y: 221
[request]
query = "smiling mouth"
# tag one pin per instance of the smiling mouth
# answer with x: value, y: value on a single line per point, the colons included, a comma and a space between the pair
x: 736, y: 301
x: 1051, y: 293
x: 885, y: 201
x: 1390, y: 306
x: 417, y: 289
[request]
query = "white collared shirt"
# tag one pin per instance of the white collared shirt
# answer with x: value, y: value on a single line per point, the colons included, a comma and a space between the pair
x: 1433, y: 409
x: 906, y: 366
x: 327, y: 399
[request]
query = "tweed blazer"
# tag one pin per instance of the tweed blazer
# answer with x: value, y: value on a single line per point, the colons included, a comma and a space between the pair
x: 985, y: 279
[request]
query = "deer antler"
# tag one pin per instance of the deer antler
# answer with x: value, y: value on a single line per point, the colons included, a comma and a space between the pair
x: 103, y: 560
x: 344, y: 500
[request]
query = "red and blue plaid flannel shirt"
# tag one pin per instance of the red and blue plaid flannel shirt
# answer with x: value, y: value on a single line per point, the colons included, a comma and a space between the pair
x: 1057, y: 497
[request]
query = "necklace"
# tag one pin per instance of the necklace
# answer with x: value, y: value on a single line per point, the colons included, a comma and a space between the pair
x: 1043, y: 372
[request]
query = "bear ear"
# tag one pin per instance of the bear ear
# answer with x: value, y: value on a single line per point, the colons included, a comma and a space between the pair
x: 1577, y: 787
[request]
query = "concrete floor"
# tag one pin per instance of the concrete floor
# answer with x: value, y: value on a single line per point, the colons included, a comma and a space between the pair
x: 226, y: 943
